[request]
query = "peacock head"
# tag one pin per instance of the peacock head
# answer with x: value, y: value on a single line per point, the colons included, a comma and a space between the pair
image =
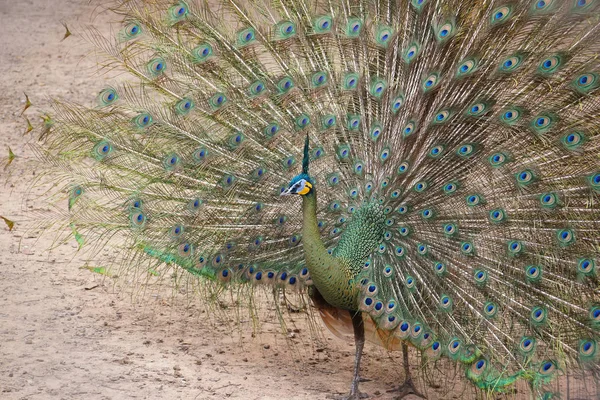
x: 301, y: 184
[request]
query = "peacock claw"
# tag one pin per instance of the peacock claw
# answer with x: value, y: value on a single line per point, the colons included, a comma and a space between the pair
x: 405, y: 389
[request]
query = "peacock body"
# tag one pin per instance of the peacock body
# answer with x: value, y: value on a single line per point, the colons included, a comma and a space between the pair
x: 445, y: 153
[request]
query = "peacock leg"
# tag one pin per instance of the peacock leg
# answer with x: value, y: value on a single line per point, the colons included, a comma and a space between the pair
x: 408, y: 386
x: 359, y: 340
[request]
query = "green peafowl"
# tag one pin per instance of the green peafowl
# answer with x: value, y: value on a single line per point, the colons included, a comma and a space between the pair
x: 427, y: 171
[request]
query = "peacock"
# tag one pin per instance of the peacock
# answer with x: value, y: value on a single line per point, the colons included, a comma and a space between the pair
x: 427, y: 172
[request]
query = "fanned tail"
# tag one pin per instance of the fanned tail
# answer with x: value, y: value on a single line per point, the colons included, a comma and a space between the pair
x: 473, y: 126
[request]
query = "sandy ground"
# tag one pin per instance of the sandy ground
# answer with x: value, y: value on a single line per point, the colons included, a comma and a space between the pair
x: 65, y: 333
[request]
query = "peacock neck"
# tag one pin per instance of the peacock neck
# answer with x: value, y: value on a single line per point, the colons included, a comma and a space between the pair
x: 329, y: 274
x: 310, y: 225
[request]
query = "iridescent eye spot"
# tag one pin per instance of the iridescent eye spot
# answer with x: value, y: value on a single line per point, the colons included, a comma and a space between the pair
x: 436, y: 152
x: 573, y: 140
x: 403, y: 167
x: 467, y: 248
x: 550, y: 65
x: 586, y: 266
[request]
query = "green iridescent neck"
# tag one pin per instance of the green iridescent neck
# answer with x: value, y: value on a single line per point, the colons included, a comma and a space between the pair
x: 331, y: 275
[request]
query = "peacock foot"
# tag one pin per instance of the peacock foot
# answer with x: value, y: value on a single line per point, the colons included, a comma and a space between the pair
x: 352, y: 396
x: 405, y: 389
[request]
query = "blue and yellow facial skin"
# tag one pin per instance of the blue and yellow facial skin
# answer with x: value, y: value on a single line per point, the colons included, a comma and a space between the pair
x: 306, y: 189
x: 300, y: 184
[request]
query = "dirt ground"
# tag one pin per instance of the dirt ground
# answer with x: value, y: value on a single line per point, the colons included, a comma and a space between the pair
x: 65, y: 333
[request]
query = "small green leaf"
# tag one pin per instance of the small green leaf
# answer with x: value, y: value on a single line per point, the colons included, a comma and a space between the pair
x: 9, y: 223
